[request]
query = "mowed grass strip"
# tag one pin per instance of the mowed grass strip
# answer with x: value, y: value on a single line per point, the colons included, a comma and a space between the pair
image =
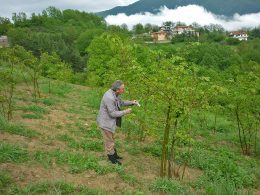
x: 57, y: 88
x: 77, y: 162
x: 12, y: 153
x: 5, y: 181
x: 12, y: 128
x: 34, y: 112
x: 55, y: 187
x: 85, y: 144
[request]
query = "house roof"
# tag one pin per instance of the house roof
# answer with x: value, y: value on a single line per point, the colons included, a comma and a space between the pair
x: 238, y: 33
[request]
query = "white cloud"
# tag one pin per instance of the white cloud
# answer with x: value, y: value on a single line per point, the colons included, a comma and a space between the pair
x: 126, y: 2
x: 29, y: 6
x: 187, y: 14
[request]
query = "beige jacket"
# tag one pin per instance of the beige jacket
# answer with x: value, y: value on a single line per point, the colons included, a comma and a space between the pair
x: 110, y: 110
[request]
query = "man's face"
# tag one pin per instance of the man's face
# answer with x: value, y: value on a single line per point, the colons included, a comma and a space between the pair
x: 121, y: 90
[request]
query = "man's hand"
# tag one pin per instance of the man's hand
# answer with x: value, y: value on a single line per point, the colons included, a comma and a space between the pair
x: 128, y: 110
x: 135, y: 102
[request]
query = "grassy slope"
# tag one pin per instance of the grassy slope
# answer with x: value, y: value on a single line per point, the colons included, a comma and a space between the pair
x: 55, y: 147
x: 59, y: 146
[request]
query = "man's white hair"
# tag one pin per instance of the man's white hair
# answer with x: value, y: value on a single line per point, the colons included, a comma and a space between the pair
x: 116, y: 85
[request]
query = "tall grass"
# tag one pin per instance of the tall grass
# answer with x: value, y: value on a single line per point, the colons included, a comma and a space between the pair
x: 76, y: 162
x: 85, y: 144
x: 169, y: 187
x: 34, y: 112
x: 5, y: 182
x: 12, y: 153
x: 92, y: 97
x: 12, y: 128
x: 57, y: 88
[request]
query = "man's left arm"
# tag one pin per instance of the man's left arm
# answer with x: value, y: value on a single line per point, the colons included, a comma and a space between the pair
x: 127, y: 102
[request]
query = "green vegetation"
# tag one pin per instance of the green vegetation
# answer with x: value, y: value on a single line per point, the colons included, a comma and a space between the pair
x: 12, y: 153
x: 11, y: 128
x: 5, y: 181
x: 168, y: 186
x: 197, y: 127
x: 77, y: 162
x: 60, y: 89
x: 85, y: 144
x: 58, y: 187
x: 48, y: 101
x: 35, y: 112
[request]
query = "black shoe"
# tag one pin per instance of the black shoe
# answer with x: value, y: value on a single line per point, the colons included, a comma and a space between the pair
x: 113, y: 159
x: 116, y: 156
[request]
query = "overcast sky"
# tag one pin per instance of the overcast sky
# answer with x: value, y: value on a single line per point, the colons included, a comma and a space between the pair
x: 7, y: 7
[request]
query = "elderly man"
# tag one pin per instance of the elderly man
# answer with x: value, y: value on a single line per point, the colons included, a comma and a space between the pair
x: 110, y: 116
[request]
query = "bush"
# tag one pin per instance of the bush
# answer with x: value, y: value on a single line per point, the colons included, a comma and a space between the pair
x: 222, y: 165
x: 232, y: 41
x: 184, y: 38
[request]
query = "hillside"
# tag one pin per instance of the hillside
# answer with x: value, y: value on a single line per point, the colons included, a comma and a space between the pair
x: 223, y: 7
x: 55, y: 147
x: 56, y: 143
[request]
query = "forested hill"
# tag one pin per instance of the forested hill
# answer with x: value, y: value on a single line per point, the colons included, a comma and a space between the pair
x: 67, y: 33
x: 221, y: 7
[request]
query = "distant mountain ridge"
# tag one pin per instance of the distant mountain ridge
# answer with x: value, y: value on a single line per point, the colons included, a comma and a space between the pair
x: 218, y: 7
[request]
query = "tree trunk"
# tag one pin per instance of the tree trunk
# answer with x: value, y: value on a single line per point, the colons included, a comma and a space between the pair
x: 10, y: 95
x: 239, y: 131
x: 34, y: 88
x: 38, y: 89
x: 215, y: 123
x: 49, y: 86
x: 171, y: 158
x: 165, y: 142
x: 256, y: 139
